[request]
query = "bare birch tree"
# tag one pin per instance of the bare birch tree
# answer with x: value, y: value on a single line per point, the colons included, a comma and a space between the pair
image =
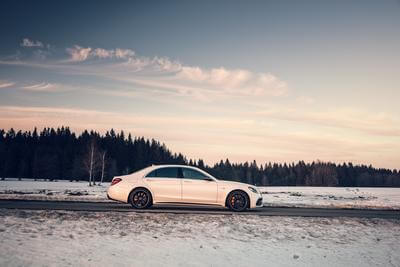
x: 91, y: 162
x: 103, y: 165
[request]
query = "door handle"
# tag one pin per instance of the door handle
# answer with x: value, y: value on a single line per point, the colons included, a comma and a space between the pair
x: 187, y: 181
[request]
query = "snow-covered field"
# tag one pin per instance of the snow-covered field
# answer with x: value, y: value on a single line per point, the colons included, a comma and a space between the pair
x: 327, y: 197
x: 61, y: 238
x: 46, y: 190
x: 332, y: 197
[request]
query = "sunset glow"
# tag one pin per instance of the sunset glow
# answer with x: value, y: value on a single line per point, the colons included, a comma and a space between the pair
x: 272, y: 81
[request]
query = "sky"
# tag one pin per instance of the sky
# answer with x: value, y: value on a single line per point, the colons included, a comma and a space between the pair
x: 271, y: 81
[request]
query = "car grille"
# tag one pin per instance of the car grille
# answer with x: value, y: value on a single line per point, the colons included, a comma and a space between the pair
x: 259, y: 202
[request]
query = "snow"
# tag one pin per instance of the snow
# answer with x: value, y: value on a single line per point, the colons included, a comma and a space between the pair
x: 62, y: 238
x: 332, y: 197
x: 282, y: 196
x: 52, y: 190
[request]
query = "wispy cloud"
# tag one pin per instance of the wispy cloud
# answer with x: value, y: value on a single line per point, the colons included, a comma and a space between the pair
x: 102, y: 53
x: 123, y: 53
x: 178, y: 78
x: 78, y: 53
x: 28, y: 111
x: 163, y: 75
x: 41, y: 87
x: 4, y: 84
x: 235, y: 82
x: 26, y: 42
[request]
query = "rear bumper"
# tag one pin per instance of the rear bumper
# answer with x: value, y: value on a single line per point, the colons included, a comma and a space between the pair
x: 118, y: 193
x: 110, y: 198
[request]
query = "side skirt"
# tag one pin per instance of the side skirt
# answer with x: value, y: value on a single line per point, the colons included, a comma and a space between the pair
x: 187, y: 204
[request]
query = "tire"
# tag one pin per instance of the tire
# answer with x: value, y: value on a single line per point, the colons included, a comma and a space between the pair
x: 140, y: 198
x: 237, y: 201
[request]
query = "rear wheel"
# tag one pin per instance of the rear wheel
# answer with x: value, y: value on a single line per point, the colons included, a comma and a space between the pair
x: 237, y: 201
x: 140, y: 198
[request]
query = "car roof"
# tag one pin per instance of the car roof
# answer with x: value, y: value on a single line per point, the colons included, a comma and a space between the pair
x: 149, y: 169
x: 153, y: 167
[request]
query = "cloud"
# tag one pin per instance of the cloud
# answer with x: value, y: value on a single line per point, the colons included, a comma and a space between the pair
x: 26, y: 42
x: 28, y: 111
x: 163, y: 73
x: 102, y: 53
x: 234, y: 82
x: 78, y: 53
x: 124, y: 53
x: 4, y: 84
x: 165, y: 76
x: 41, y: 87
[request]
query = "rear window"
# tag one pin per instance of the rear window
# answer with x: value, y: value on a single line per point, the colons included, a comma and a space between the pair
x: 169, y: 172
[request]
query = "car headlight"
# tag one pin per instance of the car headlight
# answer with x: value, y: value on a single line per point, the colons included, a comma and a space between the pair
x: 252, y: 189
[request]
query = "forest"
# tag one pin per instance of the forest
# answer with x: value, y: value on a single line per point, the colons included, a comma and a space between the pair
x: 60, y: 154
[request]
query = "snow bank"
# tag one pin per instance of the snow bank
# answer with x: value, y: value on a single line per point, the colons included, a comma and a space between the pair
x: 57, y: 238
x: 332, y: 197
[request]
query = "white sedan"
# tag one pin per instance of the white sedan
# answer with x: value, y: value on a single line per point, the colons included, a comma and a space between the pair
x: 179, y: 184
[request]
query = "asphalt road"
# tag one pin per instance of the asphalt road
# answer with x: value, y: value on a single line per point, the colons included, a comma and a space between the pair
x: 176, y: 209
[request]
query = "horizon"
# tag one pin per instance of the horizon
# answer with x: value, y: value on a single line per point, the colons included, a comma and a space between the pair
x: 188, y: 159
x: 268, y: 81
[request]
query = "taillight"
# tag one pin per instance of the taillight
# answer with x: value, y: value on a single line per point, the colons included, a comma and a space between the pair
x: 116, y: 181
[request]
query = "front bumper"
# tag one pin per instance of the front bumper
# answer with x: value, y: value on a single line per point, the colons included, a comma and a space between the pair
x: 259, y: 202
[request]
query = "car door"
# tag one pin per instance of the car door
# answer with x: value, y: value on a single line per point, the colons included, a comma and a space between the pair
x: 165, y: 184
x: 198, y: 187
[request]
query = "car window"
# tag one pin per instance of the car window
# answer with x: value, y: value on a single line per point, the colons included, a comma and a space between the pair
x: 192, y: 174
x: 169, y: 172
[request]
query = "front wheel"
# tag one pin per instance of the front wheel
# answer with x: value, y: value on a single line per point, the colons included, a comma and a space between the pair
x: 237, y: 201
x: 140, y: 198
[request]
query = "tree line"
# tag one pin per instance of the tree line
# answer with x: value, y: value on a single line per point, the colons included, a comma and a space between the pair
x: 59, y: 154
